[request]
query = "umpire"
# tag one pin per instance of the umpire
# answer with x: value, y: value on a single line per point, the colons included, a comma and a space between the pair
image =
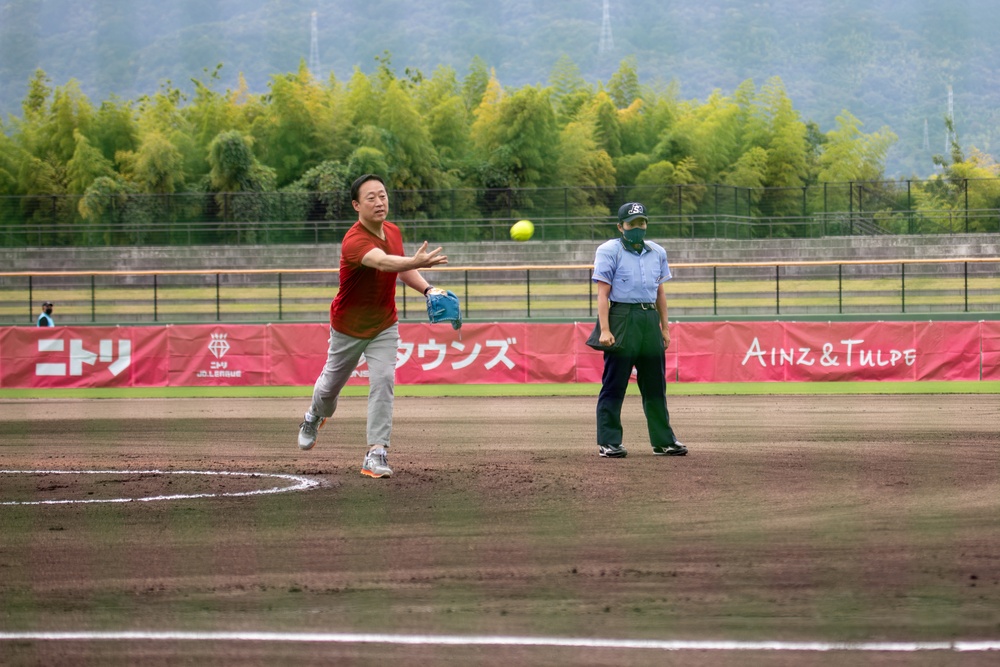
x: 632, y: 315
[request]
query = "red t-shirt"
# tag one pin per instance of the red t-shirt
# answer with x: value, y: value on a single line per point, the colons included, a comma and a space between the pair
x: 366, y: 303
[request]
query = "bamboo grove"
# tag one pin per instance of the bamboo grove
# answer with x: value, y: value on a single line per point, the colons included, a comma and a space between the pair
x: 442, y: 132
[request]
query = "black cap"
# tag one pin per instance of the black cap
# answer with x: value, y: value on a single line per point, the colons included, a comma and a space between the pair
x: 46, y: 303
x: 631, y: 211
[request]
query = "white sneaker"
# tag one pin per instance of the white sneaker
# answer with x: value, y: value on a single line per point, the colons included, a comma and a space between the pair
x: 376, y: 464
x: 307, y: 430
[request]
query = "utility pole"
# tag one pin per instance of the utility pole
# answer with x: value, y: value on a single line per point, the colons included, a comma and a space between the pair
x: 607, y: 42
x: 314, y: 48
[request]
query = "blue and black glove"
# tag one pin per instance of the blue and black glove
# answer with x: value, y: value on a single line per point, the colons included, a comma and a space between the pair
x: 443, y: 306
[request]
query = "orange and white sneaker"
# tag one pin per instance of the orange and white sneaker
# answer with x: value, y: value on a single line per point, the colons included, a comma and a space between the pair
x: 308, y: 429
x: 376, y: 464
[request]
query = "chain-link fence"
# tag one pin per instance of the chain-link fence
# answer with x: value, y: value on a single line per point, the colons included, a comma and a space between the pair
x: 567, y: 213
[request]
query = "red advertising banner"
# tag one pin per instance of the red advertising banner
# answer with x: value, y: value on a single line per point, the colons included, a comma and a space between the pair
x: 948, y: 350
x: 475, y: 354
x: 294, y: 354
x: 78, y: 357
x: 832, y: 351
x: 991, y: 350
x: 298, y: 353
x: 590, y: 362
x: 219, y: 355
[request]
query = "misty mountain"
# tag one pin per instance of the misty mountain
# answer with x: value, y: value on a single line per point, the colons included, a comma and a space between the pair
x: 889, y: 62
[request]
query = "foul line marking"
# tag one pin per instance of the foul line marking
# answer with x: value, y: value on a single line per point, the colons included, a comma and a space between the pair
x: 300, y: 483
x: 458, y: 640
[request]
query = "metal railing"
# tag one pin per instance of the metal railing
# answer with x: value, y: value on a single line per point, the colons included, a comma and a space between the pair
x: 496, y: 293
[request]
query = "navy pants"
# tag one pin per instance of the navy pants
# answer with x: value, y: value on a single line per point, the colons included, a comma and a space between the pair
x: 641, y: 348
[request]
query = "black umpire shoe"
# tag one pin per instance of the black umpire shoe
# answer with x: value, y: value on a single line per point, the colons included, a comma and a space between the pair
x: 676, y: 449
x: 612, y: 451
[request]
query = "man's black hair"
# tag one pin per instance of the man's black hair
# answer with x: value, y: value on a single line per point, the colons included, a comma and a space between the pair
x: 361, y: 180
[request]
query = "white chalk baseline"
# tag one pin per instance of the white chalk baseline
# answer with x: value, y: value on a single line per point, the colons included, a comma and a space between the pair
x: 474, y: 640
x: 298, y: 483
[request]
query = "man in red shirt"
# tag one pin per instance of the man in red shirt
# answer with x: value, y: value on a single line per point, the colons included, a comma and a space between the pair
x: 363, y: 319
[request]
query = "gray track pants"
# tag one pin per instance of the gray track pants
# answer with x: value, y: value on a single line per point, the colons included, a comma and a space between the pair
x: 341, y: 360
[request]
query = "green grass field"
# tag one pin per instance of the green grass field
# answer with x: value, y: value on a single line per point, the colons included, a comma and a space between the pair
x: 577, y: 389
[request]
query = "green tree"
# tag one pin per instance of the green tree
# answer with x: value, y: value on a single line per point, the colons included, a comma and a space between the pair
x: 322, y: 197
x: 233, y: 165
x: 607, y: 124
x: 517, y: 138
x: 163, y: 113
x: 565, y: 79
x: 37, y: 176
x: 36, y: 102
x: 850, y: 155
x: 238, y: 179
x: 586, y: 170
x: 749, y: 171
x: 413, y: 161
x: 114, y: 213
x: 787, y: 166
x: 8, y: 163
x: 623, y: 86
x: 208, y: 114
x: 570, y: 91
x: 86, y: 165
x: 326, y: 189
x: 293, y: 135
x: 708, y: 132
x: 967, y: 190
x: 752, y: 120
x: 647, y: 119
x: 43, y: 180
x: 328, y: 176
x: 367, y: 160
x: 672, y: 188
x: 70, y: 111
x: 628, y: 167
x: 114, y: 128
x: 157, y: 167
x: 440, y: 105
x: 475, y: 83
x: 363, y: 100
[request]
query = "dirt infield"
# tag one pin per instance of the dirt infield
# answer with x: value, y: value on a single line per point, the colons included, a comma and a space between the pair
x: 827, y: 519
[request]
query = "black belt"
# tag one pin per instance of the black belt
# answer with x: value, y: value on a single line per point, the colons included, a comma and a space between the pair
x: 640, y: 306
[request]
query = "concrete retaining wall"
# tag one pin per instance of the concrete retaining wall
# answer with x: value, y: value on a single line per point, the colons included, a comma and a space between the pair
x: 498, y: 253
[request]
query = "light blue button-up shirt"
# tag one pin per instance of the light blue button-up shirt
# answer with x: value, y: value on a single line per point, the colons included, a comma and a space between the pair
x: 634, y: 277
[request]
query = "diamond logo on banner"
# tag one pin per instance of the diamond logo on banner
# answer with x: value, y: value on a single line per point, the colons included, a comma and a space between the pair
x: 219, y: 345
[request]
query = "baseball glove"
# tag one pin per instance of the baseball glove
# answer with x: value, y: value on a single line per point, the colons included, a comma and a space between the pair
x: 443, y: 306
